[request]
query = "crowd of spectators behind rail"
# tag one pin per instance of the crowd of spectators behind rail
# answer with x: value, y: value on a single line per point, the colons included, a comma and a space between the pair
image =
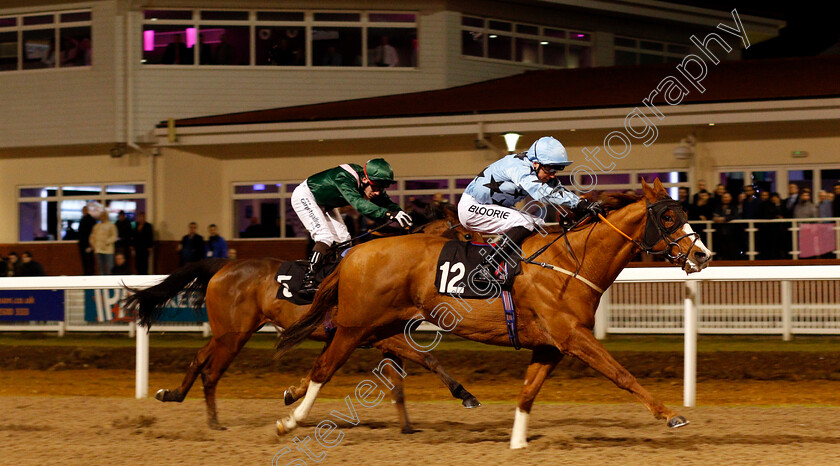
x: 124, y: 247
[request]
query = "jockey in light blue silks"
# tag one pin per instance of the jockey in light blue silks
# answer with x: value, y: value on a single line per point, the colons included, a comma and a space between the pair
x: 486, y: 205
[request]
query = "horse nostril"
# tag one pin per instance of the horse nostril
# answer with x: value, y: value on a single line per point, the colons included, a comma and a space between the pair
x: 700, y: 256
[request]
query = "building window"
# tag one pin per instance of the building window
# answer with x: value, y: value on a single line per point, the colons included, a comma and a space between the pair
x: 52, y: 213
x: 525, y: 43
x: 280, y: 38
x: 630, y: 51
x: 46, y: 40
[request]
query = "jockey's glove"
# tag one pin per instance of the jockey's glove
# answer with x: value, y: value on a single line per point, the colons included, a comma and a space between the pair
x: 400, y: 217
x: 588, y: 207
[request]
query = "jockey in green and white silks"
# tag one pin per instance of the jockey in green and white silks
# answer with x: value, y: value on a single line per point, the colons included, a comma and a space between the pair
x: 487, y: 203
x: 317, y: 199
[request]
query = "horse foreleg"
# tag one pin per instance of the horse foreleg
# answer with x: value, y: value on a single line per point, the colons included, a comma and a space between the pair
x: 543, y: 360
x: 198, y: 363
x: 225, y: 350
x: 582, y: 344
x: 398, y: 346
x: 335, y: 355
x: 295, y: 392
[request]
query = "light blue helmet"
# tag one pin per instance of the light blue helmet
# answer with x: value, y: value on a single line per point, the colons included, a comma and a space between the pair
x: 548, y: 151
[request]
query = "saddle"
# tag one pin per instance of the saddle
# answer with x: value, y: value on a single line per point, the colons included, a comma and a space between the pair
x: 290, y: 278
x: 456, y: 265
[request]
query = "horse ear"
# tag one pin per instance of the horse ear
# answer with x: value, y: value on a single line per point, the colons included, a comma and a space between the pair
x: 648, y: 191
x: 657, y: 186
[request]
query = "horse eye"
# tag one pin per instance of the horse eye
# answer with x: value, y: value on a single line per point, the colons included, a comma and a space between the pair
x: 468, y: 237
x: 666, y: 218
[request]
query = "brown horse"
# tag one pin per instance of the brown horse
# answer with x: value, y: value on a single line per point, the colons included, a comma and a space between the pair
x: 556, y: 308
x: 240, y: 299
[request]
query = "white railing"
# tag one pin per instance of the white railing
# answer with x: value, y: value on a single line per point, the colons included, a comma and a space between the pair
x: 783, y: 300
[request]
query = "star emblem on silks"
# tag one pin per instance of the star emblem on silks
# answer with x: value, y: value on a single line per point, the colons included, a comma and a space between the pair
x: 500, y: 203
x: 493, y: 186
x: 521, y: 155
x: 520, y: 192
x: 481, y: 175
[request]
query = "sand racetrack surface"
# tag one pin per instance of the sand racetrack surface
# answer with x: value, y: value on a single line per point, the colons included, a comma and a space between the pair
x: 76, y: 406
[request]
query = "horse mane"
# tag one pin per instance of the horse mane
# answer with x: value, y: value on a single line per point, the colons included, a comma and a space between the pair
x: 615, y: 201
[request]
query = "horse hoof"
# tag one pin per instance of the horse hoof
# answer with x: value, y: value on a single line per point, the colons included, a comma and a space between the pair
x: 471, y: 402
x: 161, y: 394
x: 217, y: 427
x: 677, y: 421
x: 288, y: 397
x: 408, y: 431
x: 283, y: 428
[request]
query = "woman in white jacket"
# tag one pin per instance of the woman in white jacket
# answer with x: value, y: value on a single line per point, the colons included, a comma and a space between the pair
x: 102, y: 239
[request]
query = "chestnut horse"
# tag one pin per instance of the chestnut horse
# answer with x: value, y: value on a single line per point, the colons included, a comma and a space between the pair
x: 240, y: 299
x: 382, y: 287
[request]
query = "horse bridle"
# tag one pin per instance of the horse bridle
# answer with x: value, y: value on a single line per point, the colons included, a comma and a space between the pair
x: 655, y: 231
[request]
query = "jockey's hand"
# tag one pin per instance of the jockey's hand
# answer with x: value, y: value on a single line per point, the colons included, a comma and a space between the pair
x: 400, y: 217
x: 592, y: 208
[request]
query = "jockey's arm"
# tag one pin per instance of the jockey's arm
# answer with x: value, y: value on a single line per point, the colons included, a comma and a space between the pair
x: 542, y: 192
x: 347, y: 188
x: 383, y: 200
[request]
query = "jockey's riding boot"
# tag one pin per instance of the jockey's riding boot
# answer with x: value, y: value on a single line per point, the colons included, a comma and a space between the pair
x: 506, y: 252
x: 316, y: 257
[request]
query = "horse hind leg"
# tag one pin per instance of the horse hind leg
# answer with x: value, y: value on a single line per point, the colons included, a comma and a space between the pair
x: 196, y: 366
x: 543, y: 361
x: 295, y: 392
x: 226, y: 349
x: 398, y: 346
x: 335, y: 355
x: 583, y: 345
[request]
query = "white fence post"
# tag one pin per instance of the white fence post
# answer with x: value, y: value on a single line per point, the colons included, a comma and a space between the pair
x: 142, y: 363
x: 602, y: 316
x: 787, y: 309
x: 205, y: 329
x: 690, y: 324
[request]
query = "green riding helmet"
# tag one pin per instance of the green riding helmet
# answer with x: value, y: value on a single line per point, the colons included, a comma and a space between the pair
x: 379, y: 172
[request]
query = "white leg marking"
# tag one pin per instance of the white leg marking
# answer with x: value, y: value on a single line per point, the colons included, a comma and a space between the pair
x: 302, y: 411
x: 519, y: 437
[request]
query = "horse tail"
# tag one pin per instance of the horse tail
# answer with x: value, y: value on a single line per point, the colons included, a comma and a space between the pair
x: 326, y: 299
x: 147, y: 304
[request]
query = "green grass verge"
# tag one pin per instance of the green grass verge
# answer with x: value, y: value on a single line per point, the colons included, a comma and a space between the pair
x: 671, y: 343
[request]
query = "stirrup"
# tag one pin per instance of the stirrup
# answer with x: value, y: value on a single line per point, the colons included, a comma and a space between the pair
x: 309, y: 286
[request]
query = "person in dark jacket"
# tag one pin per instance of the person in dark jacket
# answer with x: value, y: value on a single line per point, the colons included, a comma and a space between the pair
x: 121, y: 266
x: 29, y: 267
x: 191, y: 248
x: 216, y: 246
x: 123, y: 232
x: 142, y: 240
x: 86, y: 225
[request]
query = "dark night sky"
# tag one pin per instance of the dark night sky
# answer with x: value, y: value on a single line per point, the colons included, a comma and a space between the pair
x: 810, y: 30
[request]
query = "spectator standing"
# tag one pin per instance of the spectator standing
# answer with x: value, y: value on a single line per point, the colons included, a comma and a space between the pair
x: 224, y: 54
x: 701, y: 188
x: 751, y: 205
x: 102, y: 240
x: 85, y: 250
x: 142, y: 239
x: 123, y: 232
x: 216, y: 246
x: 804, y: 207
x: 385, y: 54
x: 29, y: 267
x: 255, y: 229
x: 683, y: 199
x: 716, y: 199
x: 726, y: 238
x: 13, y: 265
x: 4, y: 267
x: 793, y: 198
x: 702, y: 208
x: 835, y: 211
x: 191, y: 248
x: 826, y: 206
x: 177, y: 53
x: 121, y: 266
